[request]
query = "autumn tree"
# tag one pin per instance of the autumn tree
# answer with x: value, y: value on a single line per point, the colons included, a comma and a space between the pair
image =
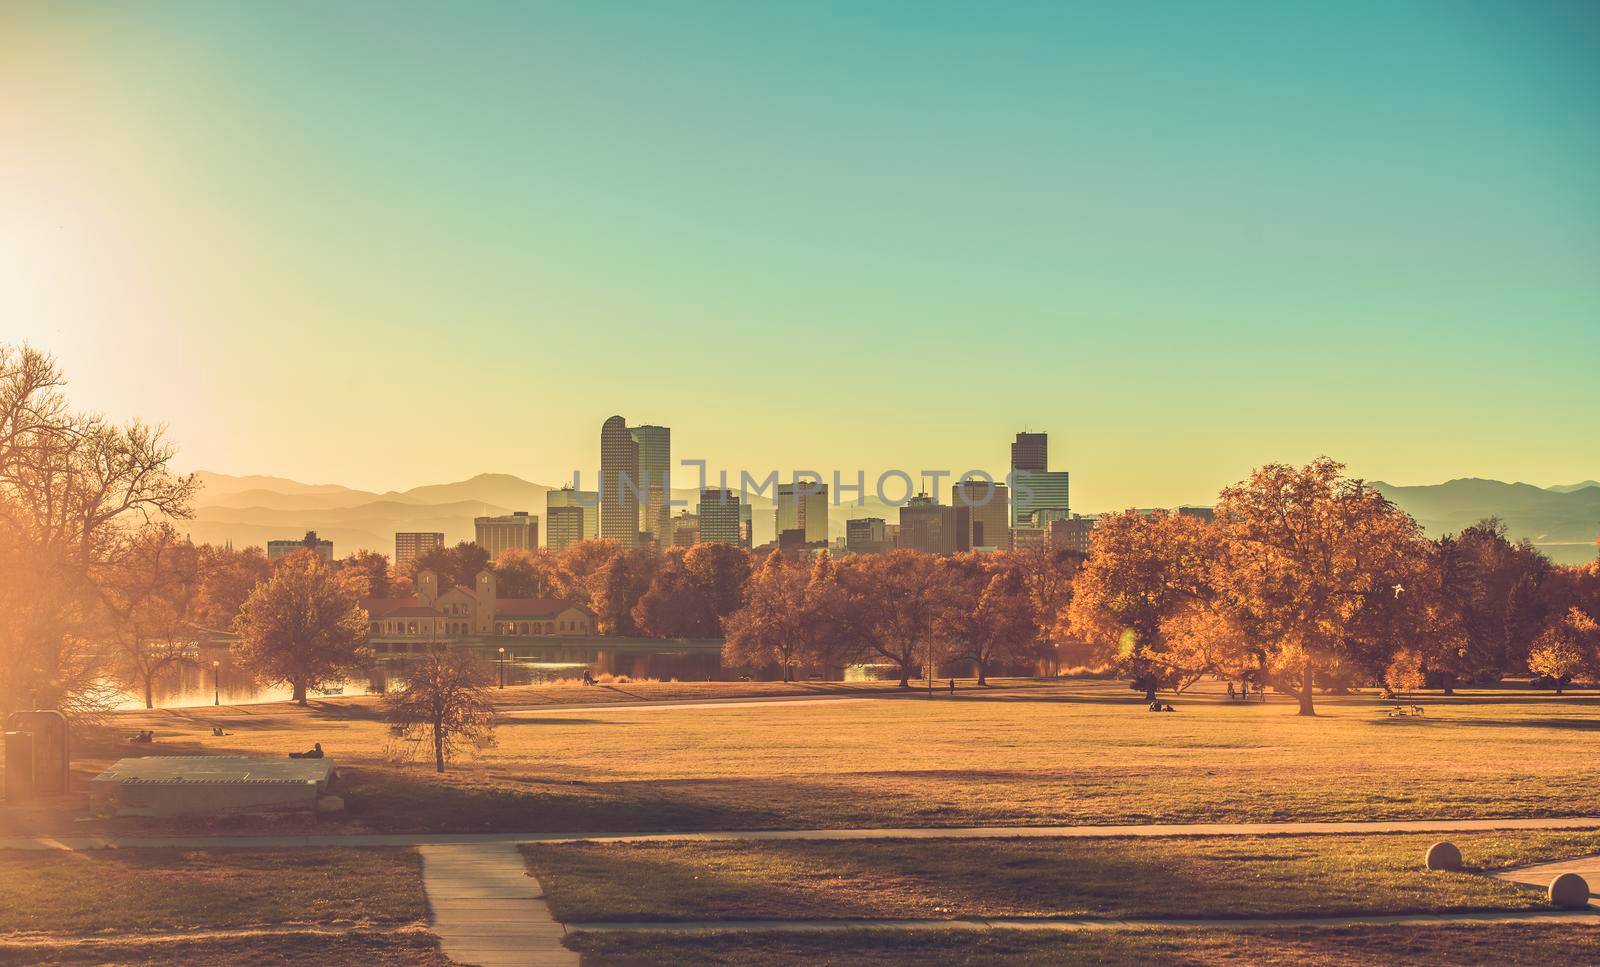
x: 456, y: 567
x: 1201, y: 640
x: 446, y: 702
x: 1046, y: 573
x: 1142, y: 571
x: 893, y: 600
x: 1306, y: 553
x: 72, y: 486
x: 526, y: 573
x: 1568, y: 650
x: 373, y: 568
x: 984, y: 615
x: 304, y: 625
x: 693, y: 589
x: 149, y: 590
x: 766, y: 629
x: 227, y: 576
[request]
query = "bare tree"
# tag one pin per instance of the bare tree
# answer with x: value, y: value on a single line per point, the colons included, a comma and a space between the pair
x: 446, y: 702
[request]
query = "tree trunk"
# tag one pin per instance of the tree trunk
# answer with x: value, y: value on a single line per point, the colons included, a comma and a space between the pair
x: 1449, y: 684
x: 905, y: 678
x: 1306, y: 687
x: 1149, y: 693
x: 983, y: 679
x: 438, y: 746
x: 300, y: 691
x: 149, y: 692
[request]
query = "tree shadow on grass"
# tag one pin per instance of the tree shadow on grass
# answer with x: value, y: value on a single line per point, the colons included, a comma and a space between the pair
x: 1574, y: 725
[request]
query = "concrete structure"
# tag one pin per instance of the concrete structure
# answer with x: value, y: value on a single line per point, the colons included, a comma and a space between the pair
x: 803, y: 506
x: 410, y: 545
x: 686, y: 530
x: 926, y: 525
x: 1204, y: 513
x: 988, y: 506
x: 1038, y: 498
x: 563, y: 527
x: 1071, y: 534
x: 1030, y: 452
x: 499, y: 534
x: 655, y: 481
x: 866, y: 535
x: 721, y: 516
x: 208, y: 785
x: 434, y: 618
x: 587, y: 500
x: 1026, y: 537
x: 620, y: 490
x: 38, y: 754
x: 310, y: 542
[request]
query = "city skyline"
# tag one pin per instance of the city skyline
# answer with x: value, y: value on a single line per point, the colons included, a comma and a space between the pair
x: 1186, y: 252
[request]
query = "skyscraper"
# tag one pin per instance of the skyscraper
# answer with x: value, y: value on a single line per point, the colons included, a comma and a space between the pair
x: 866, y: 535
x: 803, y: 506
x: 619, y: 483
x: 498, y: 534
x: 655, y: 481
x: 720, y: 513
x: 987, y: 502
x: 586, y: 500
x: 564, y: 526
x: 1031, y: 452
x: 410, y: 545
x: 1038, y: 498
x: 926, y: 525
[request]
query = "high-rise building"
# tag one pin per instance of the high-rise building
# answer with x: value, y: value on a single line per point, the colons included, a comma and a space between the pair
x: 685, y: 530
x: 619, y: 483
x: 1071, y: 534
x: 926, y: 525
x: 564, y: 526
x: 988, y: 503
x: 498, y: 534
x: 311, y: 542
x: 587, y: 500
x: 410, y: 545
x: 866, y: 535
x: 1030, y: 452
x: 1037, y: 498
x: 803, y: 506
x: 721, y: 514
x: 655, y: 481
x: 747, y: 526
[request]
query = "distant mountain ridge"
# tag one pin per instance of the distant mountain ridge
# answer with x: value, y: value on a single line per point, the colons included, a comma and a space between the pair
x: 1562, y: 521
x: 1569, y: 488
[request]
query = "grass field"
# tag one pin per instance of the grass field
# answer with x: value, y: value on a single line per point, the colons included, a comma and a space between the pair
x: 1201, y: 877
x: 1078, y: 752
x: 401, y: 948
x: 132, y: 890
x: 1537, y: 945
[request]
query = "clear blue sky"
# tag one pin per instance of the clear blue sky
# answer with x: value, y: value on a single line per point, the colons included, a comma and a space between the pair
x: 387, y: 244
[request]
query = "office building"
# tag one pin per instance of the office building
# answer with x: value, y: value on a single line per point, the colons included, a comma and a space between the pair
x: 655, y: 481
x: 1038, y: 498
x: 1071, y: 534
x: 563, y: 526
x: 499, y: 534
x: 1206, y: 514
x: 988, y: 504
x: 685, y: 530
x: 926, y: 525
x: 747, y: 526
x: 866, y: 535
x: 410, y: 545
x: 619, y: 483
x: 311, y: 542
x: 1030, y: 452
x: 720, y: 514
x: 587, y: 500
x: 803, y: 506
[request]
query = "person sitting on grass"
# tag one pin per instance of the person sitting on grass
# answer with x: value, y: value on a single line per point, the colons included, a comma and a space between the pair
x: 315, y: 753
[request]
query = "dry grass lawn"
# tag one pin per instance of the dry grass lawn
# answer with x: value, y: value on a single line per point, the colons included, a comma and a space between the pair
x: 132, y: 890
x: 1078, y: 752
x: 402, y: 948
x: 1538, y: 945
x: 1124, y: 877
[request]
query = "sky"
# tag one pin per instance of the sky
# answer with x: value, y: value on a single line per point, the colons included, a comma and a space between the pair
x: 388, y: 244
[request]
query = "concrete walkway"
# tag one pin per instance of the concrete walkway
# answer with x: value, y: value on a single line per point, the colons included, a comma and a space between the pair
x: 1540, y: 874
x: 48, y: 842
x: 487, y: 910
x: 1065, y: 924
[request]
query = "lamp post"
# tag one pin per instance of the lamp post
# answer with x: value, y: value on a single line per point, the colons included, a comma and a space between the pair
x: 502, y: 666
x: 216, y: 682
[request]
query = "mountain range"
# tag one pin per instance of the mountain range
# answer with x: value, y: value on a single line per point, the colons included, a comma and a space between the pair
x: 1563, y: 521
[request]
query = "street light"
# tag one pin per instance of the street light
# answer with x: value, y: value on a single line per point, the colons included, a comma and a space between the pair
x: 502, y: 666
x: 216, y: 682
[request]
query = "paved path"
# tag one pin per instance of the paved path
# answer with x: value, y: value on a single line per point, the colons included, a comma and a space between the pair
x: 1064, y: 924
x: 487, y: 910
x: 1540, y: 874
x: 743, y: 701
x: 47, y: 842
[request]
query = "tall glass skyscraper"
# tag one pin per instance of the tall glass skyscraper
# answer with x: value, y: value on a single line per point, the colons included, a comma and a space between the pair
x: 655, y: 481
x: 619, y: 483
